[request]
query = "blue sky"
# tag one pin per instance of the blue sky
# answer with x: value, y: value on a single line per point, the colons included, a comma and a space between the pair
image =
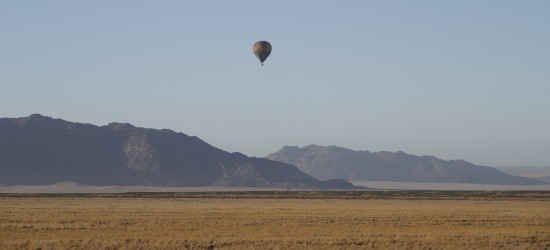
x: 454, y: 79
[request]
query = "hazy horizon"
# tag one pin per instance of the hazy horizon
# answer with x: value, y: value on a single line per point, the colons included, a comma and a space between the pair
x: 455, y: 80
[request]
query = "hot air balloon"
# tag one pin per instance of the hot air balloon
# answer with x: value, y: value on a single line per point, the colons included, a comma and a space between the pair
x: 261, y: 49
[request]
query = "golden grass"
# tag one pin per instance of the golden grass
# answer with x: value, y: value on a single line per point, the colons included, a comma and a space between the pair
x: 248, y: 223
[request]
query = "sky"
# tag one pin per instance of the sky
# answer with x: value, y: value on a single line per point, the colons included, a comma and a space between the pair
x: 453, y: 79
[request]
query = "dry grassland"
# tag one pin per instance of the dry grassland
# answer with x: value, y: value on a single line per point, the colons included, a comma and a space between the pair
x: 248, y: 223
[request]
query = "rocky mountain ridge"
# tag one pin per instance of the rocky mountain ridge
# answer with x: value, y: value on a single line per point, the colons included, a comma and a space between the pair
x: 338, y: 162
x: 38, y: 150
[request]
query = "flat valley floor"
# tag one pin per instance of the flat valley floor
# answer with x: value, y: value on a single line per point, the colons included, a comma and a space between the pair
x: 277, y: 220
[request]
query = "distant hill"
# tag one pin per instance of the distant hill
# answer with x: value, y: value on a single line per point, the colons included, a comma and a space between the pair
x: 337, y: 162
x: 39, y: 150
x: 541, y: 173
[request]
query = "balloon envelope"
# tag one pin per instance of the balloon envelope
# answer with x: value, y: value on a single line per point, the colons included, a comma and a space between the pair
x: 261, y: 49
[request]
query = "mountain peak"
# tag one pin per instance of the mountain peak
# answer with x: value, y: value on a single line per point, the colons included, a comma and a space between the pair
x: 38, y: 116
x: 121, y: 126
x: 31, y: 118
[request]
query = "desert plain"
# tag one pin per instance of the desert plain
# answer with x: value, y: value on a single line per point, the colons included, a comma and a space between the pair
x: 277, y: 220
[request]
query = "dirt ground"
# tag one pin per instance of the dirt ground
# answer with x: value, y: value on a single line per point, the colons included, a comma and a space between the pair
x: 276, y: 220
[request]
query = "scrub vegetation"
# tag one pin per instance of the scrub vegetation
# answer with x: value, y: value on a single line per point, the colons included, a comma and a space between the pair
x: 282, y: 220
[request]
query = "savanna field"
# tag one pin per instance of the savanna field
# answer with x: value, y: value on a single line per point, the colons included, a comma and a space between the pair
x: 277, y: 220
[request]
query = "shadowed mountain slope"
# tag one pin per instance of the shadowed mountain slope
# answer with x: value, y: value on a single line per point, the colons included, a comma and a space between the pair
x: 38, y: 150
x: 337, y: 162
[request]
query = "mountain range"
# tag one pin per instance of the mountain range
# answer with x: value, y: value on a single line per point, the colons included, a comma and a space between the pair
x: 337, y: 162
x: 40, y: 150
